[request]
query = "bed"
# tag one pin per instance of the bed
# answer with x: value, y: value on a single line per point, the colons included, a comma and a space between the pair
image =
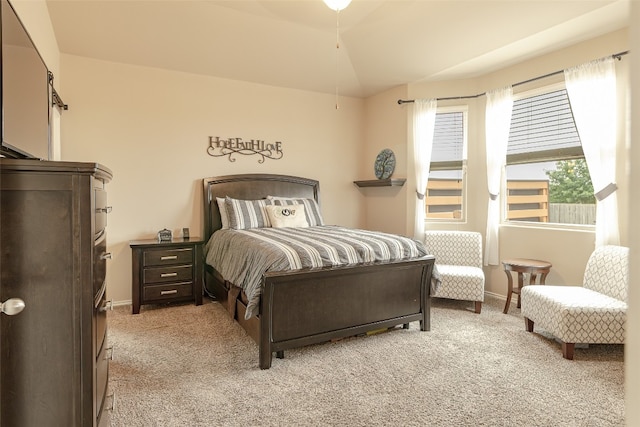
x: 313, y: 305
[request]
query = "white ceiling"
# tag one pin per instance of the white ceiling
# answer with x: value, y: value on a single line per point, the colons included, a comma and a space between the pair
x: 292, y: 43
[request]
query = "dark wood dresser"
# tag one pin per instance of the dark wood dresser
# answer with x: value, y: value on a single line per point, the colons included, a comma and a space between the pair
x: 54, y: 354
x: 166, y: 271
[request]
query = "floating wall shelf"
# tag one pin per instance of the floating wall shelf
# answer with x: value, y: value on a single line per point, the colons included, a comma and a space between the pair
x: 399, y: 182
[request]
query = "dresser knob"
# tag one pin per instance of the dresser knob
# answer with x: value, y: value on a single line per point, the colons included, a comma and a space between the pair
x: 12, y: 306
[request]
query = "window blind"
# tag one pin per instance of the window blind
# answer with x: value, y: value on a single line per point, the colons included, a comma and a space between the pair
x: 448, y: 138
x: 542, y: 126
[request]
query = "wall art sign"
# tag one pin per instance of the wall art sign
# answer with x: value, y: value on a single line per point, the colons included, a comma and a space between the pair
x: 228, y: 147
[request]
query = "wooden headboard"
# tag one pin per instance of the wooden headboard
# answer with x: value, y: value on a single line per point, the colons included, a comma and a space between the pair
x: 252, y: 187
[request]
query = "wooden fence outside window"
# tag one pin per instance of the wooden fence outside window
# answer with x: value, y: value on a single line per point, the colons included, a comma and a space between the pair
x: 526, y: 201
x: 444, y: 198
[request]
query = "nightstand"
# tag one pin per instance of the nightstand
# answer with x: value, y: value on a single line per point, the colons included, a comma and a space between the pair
x: 166, y: 271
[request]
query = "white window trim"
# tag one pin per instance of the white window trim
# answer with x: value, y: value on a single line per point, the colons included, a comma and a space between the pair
x: 539, y: 91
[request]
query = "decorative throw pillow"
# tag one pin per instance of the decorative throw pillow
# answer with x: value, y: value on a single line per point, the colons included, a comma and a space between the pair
x: 245, y: 214
x: 224, y: 216
x: 287, y: 216
x: 311, y: 208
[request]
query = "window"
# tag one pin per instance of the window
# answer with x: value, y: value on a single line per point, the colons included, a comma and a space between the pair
x: 547, y: 176
x: 445, y: 189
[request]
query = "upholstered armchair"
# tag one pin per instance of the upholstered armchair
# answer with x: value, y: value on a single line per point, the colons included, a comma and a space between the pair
x: 594, y: 313
x: 459, y: 261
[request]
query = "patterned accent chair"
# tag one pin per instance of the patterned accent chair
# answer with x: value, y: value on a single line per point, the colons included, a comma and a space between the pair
x: 459, y: 262
x: 594, y: 313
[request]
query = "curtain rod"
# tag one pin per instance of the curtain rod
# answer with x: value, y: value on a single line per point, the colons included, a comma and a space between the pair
x: 617, y: 56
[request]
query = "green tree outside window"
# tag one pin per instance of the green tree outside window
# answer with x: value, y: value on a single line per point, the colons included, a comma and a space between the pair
x: 570, y: 183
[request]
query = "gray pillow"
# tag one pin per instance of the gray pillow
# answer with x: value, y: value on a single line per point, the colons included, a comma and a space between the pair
x: 245, y: 214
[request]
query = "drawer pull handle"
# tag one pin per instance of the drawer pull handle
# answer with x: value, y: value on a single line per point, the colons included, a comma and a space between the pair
x: 108, y: 305
x: 171, y: 292
x: 106, y: 255
x: 168, y: 257
x: 112, y: 396
x: 168, y: 274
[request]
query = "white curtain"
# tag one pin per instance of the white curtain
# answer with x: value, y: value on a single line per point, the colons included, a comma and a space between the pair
x: 497, y: 124
x: 424, y: 122
x: 592, y: 94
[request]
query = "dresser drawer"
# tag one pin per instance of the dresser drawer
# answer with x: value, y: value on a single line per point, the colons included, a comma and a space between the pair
x: 153, y: 257
x: 100, y: 257
x: 167, y: 292
x: 102, y: 378
x: 174, y: 273
x: 101, y: 210
x: 104, y: 418
x: 101, y: 323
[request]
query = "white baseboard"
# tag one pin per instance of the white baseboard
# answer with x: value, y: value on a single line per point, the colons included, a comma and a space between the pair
x: 491, y: 294
x: 119, y: 303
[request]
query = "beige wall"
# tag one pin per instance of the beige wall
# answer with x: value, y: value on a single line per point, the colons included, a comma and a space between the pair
x: 151, y: 127
x: 385, y: 127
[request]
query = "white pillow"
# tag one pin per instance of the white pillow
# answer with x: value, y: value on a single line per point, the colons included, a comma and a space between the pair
x: 224, y: 216
x: 312, y: 209
x: 287, y: 216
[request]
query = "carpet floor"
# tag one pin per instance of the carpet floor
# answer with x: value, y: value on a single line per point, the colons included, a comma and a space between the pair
x: 186, y: 365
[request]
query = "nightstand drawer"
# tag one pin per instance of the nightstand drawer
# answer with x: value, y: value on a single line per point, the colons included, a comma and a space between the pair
x: 167, y: 256
x: 175, y: 273
x: 167, y: 292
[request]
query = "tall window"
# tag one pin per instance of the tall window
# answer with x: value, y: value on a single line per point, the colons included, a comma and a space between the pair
x: 547, y: 176
x: 445, y: 189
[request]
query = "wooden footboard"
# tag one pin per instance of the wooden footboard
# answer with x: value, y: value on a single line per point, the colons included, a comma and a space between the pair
x: 306, y: 307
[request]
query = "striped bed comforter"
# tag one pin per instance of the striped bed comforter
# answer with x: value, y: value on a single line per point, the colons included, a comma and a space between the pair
x: 242, y: 256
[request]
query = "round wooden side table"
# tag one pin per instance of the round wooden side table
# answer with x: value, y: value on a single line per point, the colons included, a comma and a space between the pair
x: 533, y: 267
